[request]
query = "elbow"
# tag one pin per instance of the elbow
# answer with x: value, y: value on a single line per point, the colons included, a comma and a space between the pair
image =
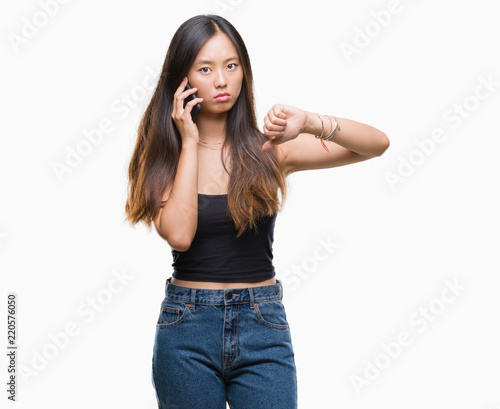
x: 177, y: 242
x: 181, y: 248
x: 383, y: 144
x: 180, y: 243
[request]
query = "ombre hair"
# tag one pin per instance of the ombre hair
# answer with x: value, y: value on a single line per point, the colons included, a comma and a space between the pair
x: 255, y: 176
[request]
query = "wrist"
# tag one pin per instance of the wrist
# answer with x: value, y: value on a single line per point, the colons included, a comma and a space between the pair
x: 316, y: 124
x: 310, y: 125
x: 189, y: 144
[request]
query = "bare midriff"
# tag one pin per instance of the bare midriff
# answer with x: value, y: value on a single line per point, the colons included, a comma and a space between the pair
x: 221, y: 286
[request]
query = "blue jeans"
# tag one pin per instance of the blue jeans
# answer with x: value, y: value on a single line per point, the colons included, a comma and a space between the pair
x: 213, y: 346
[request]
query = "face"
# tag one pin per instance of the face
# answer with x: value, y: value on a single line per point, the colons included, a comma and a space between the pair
x: 217, y: 74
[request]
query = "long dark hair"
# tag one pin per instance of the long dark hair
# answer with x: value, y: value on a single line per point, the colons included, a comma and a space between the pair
x: 255, y: 176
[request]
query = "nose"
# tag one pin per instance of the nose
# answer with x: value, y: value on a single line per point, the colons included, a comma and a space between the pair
x: 220, y: 79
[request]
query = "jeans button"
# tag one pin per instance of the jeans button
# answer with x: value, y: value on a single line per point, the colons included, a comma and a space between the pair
x: 229, y: 296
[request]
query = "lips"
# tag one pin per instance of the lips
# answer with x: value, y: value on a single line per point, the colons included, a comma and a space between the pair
x: 224, y: 96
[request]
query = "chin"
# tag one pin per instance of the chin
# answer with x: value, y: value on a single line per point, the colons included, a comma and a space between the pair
x: 221, y: 110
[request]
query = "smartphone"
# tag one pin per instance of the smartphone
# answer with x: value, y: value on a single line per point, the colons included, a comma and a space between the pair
x: 196, y: 109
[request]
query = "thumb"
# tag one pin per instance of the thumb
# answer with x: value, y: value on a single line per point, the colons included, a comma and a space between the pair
x: 282, y: 113
x: 267, y: 145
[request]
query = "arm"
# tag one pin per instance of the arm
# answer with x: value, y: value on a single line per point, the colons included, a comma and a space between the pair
x: 355, y: 141
x: 178, y: 218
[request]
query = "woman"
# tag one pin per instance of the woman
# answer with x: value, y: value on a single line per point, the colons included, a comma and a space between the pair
x: 211, y: 190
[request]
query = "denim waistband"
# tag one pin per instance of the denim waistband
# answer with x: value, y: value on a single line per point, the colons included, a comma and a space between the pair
x: 224, y: 296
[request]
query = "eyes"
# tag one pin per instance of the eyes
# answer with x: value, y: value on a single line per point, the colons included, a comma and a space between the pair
x: 231, y: 67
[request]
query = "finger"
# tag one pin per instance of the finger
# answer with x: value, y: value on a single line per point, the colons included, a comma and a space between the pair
x: 279, y: 111
x: 267, y: 145
x: 271, y: 144
x: 181, y: 87
x: 194, y: 102
x: 185, y: 115
x: 273, y: 134
x: 270, y: 134
x: 181, y: 93
x: 271, y: 126
x: 189, y: 92
x: 179, y: 98
x: 273, y: 120
x: 182, y: 97
x: 191, y: 104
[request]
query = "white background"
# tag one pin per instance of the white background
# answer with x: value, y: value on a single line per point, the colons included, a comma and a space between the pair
x: 63, y: 238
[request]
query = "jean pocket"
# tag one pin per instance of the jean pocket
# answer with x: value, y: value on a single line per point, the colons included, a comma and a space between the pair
x: 172, y: 313
x: 272, y: 314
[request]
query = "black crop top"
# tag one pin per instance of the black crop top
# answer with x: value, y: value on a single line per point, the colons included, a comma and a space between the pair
x: 216, y: 254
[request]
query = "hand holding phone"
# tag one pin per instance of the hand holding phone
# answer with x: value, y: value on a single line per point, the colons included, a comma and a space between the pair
x: 196, y: 109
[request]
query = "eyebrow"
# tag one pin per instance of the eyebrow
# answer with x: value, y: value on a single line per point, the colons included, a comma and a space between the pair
x: 211, y: 62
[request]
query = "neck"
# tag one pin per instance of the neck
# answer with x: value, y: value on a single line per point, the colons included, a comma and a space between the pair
x: 212, y: 128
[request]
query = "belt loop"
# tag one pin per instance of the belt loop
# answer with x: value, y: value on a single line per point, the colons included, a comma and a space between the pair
x: 193, y: 297
x: 252, y: 302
